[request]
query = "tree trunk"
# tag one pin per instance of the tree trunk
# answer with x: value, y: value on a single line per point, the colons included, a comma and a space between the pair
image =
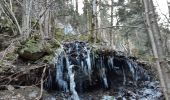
x: 47, y: 21
x: 77, y: 7
x: 27, y: 6
x: 94, y: 20
x: 90, y: 20
x: 86, y: 14
x: 168, y: 2
x: 111, y: 24
x: 154, y: 35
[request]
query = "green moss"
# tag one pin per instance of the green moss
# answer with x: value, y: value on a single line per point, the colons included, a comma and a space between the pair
x: 84, y: 37
x: 48, y: 48
x: 1, y: 63
x: 48, y: 59
x: 148, y: 58
x: 11, y: 56
x: 32, y: 45
x: 59, y: 35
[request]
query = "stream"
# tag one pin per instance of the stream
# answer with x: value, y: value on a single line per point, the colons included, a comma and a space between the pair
x: 84, y: 73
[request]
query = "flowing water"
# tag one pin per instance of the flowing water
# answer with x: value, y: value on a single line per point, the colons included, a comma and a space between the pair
x: 80, y: 70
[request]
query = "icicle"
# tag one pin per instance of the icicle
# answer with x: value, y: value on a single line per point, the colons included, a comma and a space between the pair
x: 59, y: 67
x: 103, y: 76
x: 101, y: 63
x: 110, y: 62
x: 85, y: 67
x: 131, y: 68
x: 76, y: 45
x: 135, y: 76
x: 93, y: 59
x: 124, y: 76
x: 88, y: 64
x: 59, y: 74
x: 72, y: 83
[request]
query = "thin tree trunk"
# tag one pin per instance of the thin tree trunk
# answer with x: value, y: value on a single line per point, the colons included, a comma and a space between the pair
x: 26, y: 17
x: 77, y: 7
x: 46, y: 24
x: 168, y: 2
x: 90, y: 21
x: 94, y: 19
x: 86, y: 14
x: 96, y: 22
x: 154, y: 38
x: 111, y: 24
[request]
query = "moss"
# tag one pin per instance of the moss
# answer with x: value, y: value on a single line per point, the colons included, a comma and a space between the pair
x: 1, y: 63
x: 48, y: 59
x: 32, y: 45
x: 35, y: 49
x: 11, y: 56
x: 59, y: 35
x: 48, y: 48
x: 84, y: 37
x: 148, y: 58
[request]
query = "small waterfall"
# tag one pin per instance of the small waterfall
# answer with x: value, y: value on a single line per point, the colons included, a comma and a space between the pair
x: 79, y: 68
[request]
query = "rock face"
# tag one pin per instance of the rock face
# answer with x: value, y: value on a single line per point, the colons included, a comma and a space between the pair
x: 80, y: 69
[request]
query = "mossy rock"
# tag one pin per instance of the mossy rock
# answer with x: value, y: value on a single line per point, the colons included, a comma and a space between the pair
x: 32, y: 49
x: 31, y: 56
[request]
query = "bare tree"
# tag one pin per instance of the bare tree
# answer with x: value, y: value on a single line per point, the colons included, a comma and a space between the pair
x: 10, y: 14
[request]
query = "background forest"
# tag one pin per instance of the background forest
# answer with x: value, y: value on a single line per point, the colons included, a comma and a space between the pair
x: 120, y: 24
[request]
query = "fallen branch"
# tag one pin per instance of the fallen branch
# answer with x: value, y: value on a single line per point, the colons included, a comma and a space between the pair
x: 42, y: 81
